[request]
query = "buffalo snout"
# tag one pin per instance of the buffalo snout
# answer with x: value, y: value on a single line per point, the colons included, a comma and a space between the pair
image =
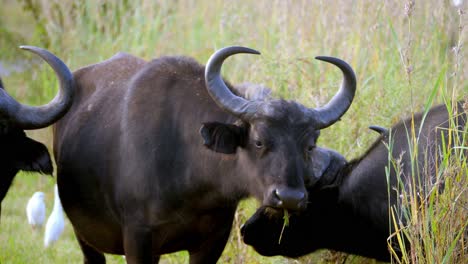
x: 287, y: 198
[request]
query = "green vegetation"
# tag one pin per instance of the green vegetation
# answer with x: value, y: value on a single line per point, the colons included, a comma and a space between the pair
x: 406, y: 56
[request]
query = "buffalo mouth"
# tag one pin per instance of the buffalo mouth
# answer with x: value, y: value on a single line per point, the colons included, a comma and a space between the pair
x: 272, y: 212
x: 266, y: 220
x: 267, y: 234
x: 264, y: 213
x: 263, y: 229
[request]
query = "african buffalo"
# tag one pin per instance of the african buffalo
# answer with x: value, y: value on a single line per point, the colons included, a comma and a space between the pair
x: 18, y: 152
x: 136, y: 178
x: 348, y: 207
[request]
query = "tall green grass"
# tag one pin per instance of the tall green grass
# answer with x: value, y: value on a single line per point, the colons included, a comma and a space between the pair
x: 401, y: 59
x: 430, y: 218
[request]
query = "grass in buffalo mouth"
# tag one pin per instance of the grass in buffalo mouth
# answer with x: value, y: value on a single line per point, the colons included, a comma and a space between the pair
x: 273, y: 212
x: 285, y: 224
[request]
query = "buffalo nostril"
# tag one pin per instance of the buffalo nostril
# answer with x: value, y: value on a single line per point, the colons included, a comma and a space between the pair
x: 290, y: 199
x: 276, y: 193
x: 277, y: 197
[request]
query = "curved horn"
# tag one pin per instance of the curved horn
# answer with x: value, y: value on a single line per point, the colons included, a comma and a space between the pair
x: 219, y: 91
x: 339, y: 104
x: 379, y: 129
x: 35, y: 117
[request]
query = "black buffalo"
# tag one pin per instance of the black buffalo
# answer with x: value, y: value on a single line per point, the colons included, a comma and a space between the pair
x: 138, y: 176
x: 348, y: 207
x: 17, y: 151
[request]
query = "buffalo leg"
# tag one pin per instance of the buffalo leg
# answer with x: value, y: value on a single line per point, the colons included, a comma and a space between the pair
x: 91, y: 255
x: 212, y: 249
x: 137, y: 245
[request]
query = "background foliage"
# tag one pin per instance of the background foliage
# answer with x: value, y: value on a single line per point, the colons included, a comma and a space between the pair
x: 402, y: 53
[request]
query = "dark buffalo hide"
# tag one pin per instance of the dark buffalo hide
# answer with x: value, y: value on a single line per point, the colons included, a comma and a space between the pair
x: 153, y: 157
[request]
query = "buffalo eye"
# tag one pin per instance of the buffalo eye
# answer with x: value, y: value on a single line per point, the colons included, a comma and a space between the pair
x: 310, y: 148
x: 258, y: 144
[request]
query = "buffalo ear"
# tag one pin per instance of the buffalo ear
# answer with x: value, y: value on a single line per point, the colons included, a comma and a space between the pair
x: 223, y: 138
x: 30, y: 155
x: 325, y: 164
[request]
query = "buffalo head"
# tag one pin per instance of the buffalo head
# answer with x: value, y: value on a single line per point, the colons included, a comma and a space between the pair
x: 18, y: 152
x: 274, y: 138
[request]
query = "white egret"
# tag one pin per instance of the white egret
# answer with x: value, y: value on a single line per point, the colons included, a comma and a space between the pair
x: 56, y: 222
x: 36, y: 210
